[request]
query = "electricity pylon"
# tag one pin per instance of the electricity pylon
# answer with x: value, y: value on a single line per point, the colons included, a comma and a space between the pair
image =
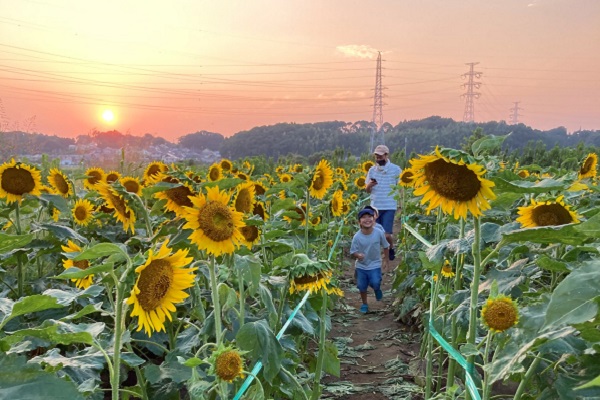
x: 514, y: 114
x: 376, y: 128
x: 471, y: 94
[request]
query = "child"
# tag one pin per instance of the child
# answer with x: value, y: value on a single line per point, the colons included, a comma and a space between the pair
x: 366, y: 249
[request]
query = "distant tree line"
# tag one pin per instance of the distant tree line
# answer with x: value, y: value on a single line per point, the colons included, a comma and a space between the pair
x: 337, y: 141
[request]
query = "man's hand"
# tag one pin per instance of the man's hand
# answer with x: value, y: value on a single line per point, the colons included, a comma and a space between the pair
x: 385, y: 266
x: 359, y: 256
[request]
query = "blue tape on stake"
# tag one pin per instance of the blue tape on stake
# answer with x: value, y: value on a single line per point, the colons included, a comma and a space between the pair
x: 452, y: 352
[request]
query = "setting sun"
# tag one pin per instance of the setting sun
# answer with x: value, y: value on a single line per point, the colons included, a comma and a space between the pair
x: 108, y: 115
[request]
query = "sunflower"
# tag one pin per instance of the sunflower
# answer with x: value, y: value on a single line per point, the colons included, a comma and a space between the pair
x: 112, y: 176
x: 360, y: 182
x: 244, y: 198
x: 300, y: 215
x: 588, y: 166
x: 177, y: 197
x: 55, y: 214
x: 60, y: 183
x: 81, y: 283
x: 226, y: 363
x: 285, y: 178
x: 160, y: 285
x: 342, y: 184
x: 116, y: 202
x: 279, y: 169
x: 243, y: 176
x: 131, y: 184
x: 353, y: 197
x: 366, y: 166
x: 260, y: 210
x: 447, y: 270
x: 259, y: 188
x: 454, y: 185
x: 499, y: 313
x: 17, y: 179
x: 315, y: 220
x: 82, y: 212
x: 407, y: 177
x: 215, y: 173
x: 313, y: 282
x: 216, y: 225
x: 94, y: 177
x: 226, y: 165
x: 321, y: 180
x: 337, y: 203
x: 297, y: 168
x: 153, y: 172
x: 549, y: 213
x: 251, y: 235
x: 523, y: 173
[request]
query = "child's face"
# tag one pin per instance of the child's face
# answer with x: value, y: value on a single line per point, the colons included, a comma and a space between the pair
x: 366, y: 221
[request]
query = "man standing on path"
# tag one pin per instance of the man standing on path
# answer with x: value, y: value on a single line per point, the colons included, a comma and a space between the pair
x: 381, y: 180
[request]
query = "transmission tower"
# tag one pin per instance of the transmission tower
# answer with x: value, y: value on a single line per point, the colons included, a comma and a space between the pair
x: 514, y: 114
x: 376, y: 128
x: 471, y: 94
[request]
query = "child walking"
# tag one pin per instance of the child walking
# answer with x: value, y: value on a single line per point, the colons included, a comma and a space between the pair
x: 366, y: 249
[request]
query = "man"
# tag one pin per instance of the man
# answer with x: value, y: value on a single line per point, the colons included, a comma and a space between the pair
x: 381, y: 180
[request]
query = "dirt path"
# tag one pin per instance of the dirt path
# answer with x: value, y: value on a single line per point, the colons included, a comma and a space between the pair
x: 374, y: 349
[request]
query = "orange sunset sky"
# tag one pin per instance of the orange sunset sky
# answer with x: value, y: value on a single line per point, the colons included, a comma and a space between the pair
x: 170, y: 68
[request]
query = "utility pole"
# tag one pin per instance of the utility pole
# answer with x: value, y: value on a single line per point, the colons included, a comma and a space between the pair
x: 470, y: 94
x: 514, y: 114
x: 376, y: 131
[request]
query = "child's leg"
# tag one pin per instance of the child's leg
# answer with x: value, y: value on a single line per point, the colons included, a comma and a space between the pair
x: 362, y: 283
x: 375, y: 283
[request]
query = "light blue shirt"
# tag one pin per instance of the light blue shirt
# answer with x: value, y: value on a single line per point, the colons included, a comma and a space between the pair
x: 370, y: 245
x: 382, y: 194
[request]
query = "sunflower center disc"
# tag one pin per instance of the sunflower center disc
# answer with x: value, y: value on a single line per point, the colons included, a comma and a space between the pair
x: 154, y: 283
x: 61, y: 185
x: 179, y: 195
x: 94, y: 178
x: 216, y: 221
x: 131, y: 186
x: 500, y: 316
x: 214, y: 174
x: 452, y: 181
x: 228, y: 365
x: 551, y: 215
x: 318, y: 181
x: 243, y: 203
x: 80, y: 213
x: 81, y: 264
x: 250, y: 233
x: 17, y: 181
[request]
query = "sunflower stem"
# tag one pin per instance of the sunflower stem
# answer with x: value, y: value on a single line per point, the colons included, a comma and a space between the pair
x: 20, y: 272
x: 306, y: 221
x: 486, y: 376
x: 524, y: 383
x: 149, y: 231
x: 453, y: 323
x: 120, y: 312
x: 473, y: 321
x: 140, y: 377
x: 242, y: 297
x: 215, y: 299
x: 320, y: 357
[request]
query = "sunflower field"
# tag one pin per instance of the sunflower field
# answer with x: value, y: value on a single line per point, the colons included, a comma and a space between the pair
x: 217, y: 283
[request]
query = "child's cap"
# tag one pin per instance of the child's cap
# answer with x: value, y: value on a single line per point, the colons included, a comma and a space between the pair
x: 373, y: 208
x: 366, y: 211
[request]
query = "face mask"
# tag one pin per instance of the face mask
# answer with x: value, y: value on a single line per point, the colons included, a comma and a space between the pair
x: 381, y: 162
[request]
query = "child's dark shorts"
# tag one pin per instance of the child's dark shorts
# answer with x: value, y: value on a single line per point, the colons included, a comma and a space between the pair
x: 368, y: 277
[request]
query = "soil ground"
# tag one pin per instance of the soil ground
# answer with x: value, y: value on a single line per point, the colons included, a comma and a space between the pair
x: 374, y: 349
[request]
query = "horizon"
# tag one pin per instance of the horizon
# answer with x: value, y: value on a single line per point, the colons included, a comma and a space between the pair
x: 169, y: 70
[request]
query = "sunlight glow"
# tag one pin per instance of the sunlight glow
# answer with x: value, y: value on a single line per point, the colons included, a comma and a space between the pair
x: 108, y: 115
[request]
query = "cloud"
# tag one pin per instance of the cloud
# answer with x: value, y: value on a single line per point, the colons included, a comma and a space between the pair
x: 357, y: 50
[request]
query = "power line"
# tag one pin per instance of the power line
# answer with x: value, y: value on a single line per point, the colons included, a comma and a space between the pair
x: 377, y: 127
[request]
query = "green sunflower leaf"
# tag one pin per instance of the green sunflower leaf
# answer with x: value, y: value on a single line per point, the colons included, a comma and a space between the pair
x: 487, y: 144
x: 11, y: 242
x: 101, y: 250
x: 76, y: 273
x: 544, y: 186
x: 63, y: 232
x: 573, y: 300
x: 27, y: 305
x: 20, y: 379
x: 261, y: 344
